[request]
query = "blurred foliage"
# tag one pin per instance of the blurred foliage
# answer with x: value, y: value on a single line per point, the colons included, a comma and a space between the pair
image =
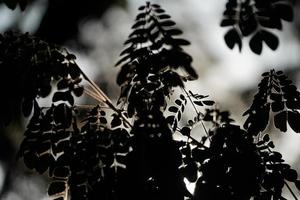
x: 255, y: 19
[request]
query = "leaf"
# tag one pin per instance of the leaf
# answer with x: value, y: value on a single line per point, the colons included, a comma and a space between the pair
x: 103, y: 120
x: 294, y: 120
x: 280, y: 121
x: 62, y: 114
x: 256, y: 43
x: 178, y: 42
x: 116, y: 121
x: 78, y: 91
x: 270, y: 39
x: 290, y: 175
x: 199, y: 103
x: 271, y: 144
x: 186, y: 131
x: 30, y: 160
x: 191, y: 172
x: 56, y: 187
x: 228, y: 22
x: 208, y: 103
x: 277, y: 106
x: 276, y: 96
x: 141, y: 7
x: 74, y: 71
x: 297, y: 184
x: 62, y: 84
x: 43, y: 163
x: 170, y: 120
x: 164, y: 16
x: 63, y: 96
x: 173, y: 109
x: 178, y: 102
x: 247, y: 23
x: 174, y: 31
x: 232, y: 38
x: 284, y: 10
x: 266, y: 138
x: 61, y: 172
x: 159, y: 10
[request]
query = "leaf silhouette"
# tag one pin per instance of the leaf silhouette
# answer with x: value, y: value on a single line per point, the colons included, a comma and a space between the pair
x: 232, y: 38
x: 280, y: 121
x: 252, y: 18
x: 293, y: 120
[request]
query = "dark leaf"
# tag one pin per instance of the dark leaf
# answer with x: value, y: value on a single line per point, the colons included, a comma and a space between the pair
x: 199, y: 103
x: 70, y: 56
x: 103, y: 120
x: 174, y: 32
x: 139, y: 23
x: 297, y: 184
x: 56, y: 187
x: 270, y: 39
x: 191, y: 171
x: 271, y: 144
x: 116, y: 121
x: 280, y: 120
x: 294, y: 120
x: 142, y: 7
x: 266, y: 138
x: 178, y: 102
x: 290, y: 175
x: 284, y: 10
x: 30, y: 160
x: 178, y: 42
x: 232, y: 38
x: 182, y: 97
x: 61, y: 172
x: 228, y: 22
x: 256, y: 43
x: 170, y: 120
x: 173, y: 109
x: 186, y: 131
x: 63, y: 96
x: 78, y: 91
x: 62, y: 84
x: 159, y: 10
x: 74, y: 71
x: 277, y: 106
x: 62, y: 114
x: 43, y: 163
x: 208, y: 103
x: 276, y: 97
x: 164, y: 16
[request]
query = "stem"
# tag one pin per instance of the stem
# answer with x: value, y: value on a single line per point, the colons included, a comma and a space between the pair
x: 198, y: 113
x: 290, y: 189
x: 285, y: 183
x: 100, y: 96
x: 109, y: 104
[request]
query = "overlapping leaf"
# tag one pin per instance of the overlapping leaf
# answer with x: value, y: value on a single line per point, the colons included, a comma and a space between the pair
x: 254, y: 19
x: 31, y: 66
x: 149, y: 63
x: 277, y: 94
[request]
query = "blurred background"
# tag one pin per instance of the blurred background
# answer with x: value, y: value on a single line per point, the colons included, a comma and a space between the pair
x: 95, y: 31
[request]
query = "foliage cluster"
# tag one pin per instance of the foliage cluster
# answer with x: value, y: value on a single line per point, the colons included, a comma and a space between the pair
x: 128, y: 151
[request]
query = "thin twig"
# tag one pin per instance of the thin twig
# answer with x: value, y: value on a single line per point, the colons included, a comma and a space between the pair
x: 197, y: 112
x: 291, y: 191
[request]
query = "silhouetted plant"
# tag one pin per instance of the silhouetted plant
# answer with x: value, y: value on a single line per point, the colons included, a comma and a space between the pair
x: 13, y: 4
x: 255, y: 18
x: 104, y: 155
